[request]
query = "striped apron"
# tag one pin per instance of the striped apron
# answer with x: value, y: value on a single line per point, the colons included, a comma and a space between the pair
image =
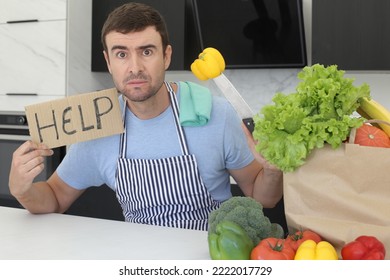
x: 166, y: 192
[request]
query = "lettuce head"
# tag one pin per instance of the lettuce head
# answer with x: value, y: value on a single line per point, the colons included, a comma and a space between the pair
x: 319, y: 112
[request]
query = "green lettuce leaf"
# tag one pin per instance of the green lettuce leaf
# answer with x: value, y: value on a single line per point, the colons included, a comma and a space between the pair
x: 319, y: 112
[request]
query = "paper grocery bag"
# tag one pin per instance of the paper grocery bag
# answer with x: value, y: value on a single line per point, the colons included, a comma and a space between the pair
x: 341, y: 194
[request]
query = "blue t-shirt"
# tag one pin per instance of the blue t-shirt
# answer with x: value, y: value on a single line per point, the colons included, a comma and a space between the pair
x: 217, y: 146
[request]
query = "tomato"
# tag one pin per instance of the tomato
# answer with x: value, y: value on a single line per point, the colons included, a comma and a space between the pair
x: 272, y: 248
x: 297, y: 238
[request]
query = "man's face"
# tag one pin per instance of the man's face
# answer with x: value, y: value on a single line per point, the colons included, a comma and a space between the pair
x: 137, y: 63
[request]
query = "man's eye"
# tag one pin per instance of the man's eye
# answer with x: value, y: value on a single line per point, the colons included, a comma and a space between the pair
x: 147, y: 52
x: 121, y: 54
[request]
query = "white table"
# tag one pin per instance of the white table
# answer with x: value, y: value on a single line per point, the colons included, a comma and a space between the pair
x: 65, y: 237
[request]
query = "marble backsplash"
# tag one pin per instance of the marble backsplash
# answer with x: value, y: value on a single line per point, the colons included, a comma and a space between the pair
x: 258, y: 86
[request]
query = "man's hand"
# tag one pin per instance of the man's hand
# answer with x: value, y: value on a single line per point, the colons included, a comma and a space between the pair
x: 27, y: 163
x: 252, y: 145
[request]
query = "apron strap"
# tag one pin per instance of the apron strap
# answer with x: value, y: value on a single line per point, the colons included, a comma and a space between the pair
x: 122, y: 143
x: 179, y: 128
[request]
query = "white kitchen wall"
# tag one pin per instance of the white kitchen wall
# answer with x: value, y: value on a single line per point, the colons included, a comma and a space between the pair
x: 257, y: 86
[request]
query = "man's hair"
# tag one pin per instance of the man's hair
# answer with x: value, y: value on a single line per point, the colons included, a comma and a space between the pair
x: 134, y: 17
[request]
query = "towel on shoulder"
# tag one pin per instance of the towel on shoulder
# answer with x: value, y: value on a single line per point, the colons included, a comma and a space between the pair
x: 195, y: 104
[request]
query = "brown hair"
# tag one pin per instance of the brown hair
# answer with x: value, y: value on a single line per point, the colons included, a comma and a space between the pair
x: 132, y: 17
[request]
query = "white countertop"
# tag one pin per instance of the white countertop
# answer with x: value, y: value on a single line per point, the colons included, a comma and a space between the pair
x: 65, y: 237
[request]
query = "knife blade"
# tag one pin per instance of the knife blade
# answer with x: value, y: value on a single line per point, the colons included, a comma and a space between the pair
x: 236, y: 100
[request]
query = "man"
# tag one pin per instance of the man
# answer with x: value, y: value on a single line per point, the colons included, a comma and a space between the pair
x: 162, y: 173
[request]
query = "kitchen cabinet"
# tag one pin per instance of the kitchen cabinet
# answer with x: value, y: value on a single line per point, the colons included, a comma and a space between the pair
x: 353, y: 34
x: 97, y: 202
x: 32, y: 50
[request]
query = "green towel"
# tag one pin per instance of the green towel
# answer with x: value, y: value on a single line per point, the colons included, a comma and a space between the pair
x: 195, y: 104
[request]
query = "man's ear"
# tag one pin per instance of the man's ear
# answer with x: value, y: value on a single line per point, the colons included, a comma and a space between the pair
x: 107, y: 61
x: 168, y: 56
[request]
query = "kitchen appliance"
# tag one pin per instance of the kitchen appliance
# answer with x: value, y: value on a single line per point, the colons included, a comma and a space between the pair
x: 13, y: 132
x: 253, y: 33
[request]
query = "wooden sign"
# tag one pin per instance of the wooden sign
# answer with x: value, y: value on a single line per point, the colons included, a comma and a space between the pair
x: 76, y: 118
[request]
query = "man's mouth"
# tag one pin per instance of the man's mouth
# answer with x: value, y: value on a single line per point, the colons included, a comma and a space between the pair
x: 136, y: 83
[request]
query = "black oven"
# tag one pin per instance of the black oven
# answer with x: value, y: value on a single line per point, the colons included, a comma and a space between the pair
x: 13, y: 132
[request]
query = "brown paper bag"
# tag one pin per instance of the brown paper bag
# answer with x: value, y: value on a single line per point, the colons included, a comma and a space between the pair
x: 341, y: 194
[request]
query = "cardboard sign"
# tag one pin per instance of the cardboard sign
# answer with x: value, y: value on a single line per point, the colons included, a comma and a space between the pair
x: 74, y: 119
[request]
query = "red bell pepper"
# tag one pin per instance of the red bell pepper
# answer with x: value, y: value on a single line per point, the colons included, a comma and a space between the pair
x: 364, y: 248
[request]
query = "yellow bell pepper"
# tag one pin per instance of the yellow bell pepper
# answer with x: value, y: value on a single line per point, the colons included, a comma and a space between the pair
x: 310, y: 250
x: 209, y: 64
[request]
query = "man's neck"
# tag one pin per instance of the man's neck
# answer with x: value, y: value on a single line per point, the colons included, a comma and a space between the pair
x: 152, y: 107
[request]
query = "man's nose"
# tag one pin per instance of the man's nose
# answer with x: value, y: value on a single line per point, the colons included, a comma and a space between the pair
x: 135, y: 64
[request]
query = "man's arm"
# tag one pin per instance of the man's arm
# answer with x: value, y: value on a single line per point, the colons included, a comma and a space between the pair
x: 259, y: 179
x: 264, y: 185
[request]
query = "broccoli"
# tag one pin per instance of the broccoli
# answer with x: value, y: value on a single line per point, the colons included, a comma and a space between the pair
x: 248, y: 213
